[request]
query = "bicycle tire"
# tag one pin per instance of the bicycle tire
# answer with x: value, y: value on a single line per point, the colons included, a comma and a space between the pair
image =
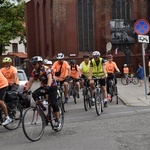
x: 116, y: 94
x: 135, y: 80
x: 33, y: 123
x: 61, y: 118
x: 16, y: 116
x: 85, y: 99
x: 98, y: 103
x: 124, y: 81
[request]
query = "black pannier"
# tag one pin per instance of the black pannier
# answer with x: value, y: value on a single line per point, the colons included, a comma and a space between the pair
x: 11, y: 96
x: 24, y: 100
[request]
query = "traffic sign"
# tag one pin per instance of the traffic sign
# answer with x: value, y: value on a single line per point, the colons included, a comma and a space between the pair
x: 141, y: 26
x: 143, y: 38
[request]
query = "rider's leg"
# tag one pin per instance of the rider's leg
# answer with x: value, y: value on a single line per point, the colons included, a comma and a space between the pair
x: 66, y: 91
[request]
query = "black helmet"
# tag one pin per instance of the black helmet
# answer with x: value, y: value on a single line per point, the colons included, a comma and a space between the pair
x: 86, y: 56
x: 72, y: 62
x: 36, y: 59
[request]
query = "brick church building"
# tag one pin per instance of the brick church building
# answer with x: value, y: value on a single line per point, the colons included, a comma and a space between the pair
x: 76, y: 27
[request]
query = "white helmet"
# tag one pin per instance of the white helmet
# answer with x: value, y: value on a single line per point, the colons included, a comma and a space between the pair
x: 125, y: 65
x: 48, y: 62
x: 60, y: 56
x: 96, y: 53
x: 36, y: 59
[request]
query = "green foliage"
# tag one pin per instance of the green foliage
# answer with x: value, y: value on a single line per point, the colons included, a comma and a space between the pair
x: 12, y: 19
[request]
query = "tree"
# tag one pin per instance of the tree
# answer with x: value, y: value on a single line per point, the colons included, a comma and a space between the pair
x: 12, y: 23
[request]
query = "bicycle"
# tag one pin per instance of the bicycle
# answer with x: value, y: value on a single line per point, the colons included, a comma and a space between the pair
x: 87, y: 95
x: 60, y: 95
x: 73, y: 91
x: 98, y: 96
x: 113, y: 90
x: 127, y: 79
x: 15, y: 110
x: 35, y: 120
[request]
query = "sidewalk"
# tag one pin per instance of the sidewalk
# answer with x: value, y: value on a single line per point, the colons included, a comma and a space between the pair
x: 133, y: 95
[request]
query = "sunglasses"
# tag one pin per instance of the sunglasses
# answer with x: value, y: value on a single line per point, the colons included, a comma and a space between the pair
x: 34, y: 64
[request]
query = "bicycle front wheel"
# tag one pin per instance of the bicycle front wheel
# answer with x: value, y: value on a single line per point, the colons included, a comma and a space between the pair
x: 98, y: 103
x: 16, y: 116
x: 33, y: 124
x: 124, y: 81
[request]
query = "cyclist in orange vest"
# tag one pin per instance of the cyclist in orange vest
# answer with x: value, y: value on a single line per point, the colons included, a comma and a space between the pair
x: 125, y: 69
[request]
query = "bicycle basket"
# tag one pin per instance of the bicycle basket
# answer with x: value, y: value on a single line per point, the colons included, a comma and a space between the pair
x: 10, y: 96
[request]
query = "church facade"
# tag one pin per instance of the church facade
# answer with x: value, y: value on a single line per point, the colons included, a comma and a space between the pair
x: 78, y: 27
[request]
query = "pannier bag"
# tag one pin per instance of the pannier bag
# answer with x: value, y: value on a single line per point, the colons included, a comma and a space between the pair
x: 11, y: 96
x: 24, y: 100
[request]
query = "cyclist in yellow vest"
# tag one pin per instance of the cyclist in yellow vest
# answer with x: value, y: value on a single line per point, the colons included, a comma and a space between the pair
x: 84, y: 68
x: 97, y: 69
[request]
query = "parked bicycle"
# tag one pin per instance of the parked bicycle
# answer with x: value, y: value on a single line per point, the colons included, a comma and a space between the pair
x: 35, y: 120
x: 127, y: 79
x: 113, y: 90
x: 98, y: 96
x: 87, y: 98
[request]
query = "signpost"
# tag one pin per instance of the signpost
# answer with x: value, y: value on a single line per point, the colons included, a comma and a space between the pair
x: 142, y: 27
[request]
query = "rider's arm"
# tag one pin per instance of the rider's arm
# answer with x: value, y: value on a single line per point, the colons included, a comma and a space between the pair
x: 117, y: 69
x: 29, y: 84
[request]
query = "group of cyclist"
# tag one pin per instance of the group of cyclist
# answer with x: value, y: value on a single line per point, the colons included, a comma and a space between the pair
x: 49, y: 74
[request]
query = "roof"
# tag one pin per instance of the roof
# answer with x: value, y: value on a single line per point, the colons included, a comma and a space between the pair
x: 18, y: 54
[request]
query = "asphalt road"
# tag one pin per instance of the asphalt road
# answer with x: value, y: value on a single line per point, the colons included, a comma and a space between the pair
x: 118, y: 128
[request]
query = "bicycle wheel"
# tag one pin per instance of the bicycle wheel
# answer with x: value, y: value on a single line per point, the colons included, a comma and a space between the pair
x: 98, y: 103
x: 74, y: 93
x: 115, y: 97
x: 16, y: 115
x: 33, y: 124
x: 135, y: 80
x: 61, y: 118
x: 85, y: 99
x: 124, y: 81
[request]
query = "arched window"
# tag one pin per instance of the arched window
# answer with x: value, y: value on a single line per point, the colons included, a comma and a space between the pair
x: 121, y: 9
x: 85, y: 25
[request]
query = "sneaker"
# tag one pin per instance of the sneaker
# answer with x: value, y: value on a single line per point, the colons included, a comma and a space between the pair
x: 45, y: 103
x: 105, y: 104
x: 93, y: 102
x: 66, y: 99
x: 148, y: 93
x: 7, y: 121
x: 57, y: 125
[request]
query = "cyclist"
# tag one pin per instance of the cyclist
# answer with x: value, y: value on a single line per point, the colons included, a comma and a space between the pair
x: 84, y: 68
x: 97, y: 69
x: 110, y: 68
x: 48, y: 63
x: 61, y: 71
x: 10, y: 73
x: 3, y: 89
x: 74, y: 74
x: 125, y: 69
x: 48, y: 83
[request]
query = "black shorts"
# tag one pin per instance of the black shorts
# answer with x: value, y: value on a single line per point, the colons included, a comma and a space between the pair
x: 2, y: 93
x: 102, y: 82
